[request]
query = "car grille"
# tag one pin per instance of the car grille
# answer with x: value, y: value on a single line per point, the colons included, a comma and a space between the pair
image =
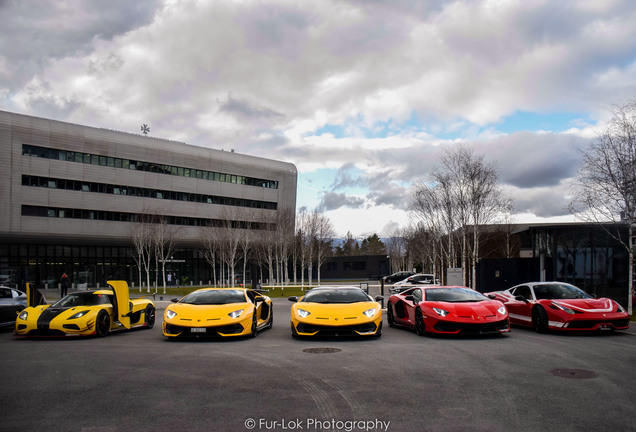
x: 470, y: 328
x: 211, y: 331
x: 588, y: 324
x: 46, y: 332
x: 350, y: 330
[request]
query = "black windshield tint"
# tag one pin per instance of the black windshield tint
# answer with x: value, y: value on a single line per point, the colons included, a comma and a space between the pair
x: 424, y: 279
x: 82, y: 299
x: 558, y: 291
x: 453, y: 295
x: 336, y: 296
x: 214, y: 297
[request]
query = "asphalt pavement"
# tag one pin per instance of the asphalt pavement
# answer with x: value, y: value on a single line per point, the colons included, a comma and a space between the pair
x: 140, y: 381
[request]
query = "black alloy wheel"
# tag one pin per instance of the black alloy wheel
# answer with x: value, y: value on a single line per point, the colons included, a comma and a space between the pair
x: 390, y: 319
x: 271, y: 318
x: 150, y: 316
x: 254, y: 326
x: 102, y: 323
x: 540, y: 319
x: 420, y: 327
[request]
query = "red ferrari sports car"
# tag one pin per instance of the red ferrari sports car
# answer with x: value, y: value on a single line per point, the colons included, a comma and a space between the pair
x: 561, y: 306
x: 447, y: 310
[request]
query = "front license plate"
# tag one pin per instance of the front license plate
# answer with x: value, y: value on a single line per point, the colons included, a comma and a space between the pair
x: 605, y: 327
x: 198, y: 330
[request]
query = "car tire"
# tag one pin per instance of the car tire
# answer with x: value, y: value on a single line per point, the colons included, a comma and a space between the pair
x: 379, y: 332
x: 294, y: 333
x: 420, y: 327
x: 271, y: 318
x: 254, y: 326
x: 102, y: 324
x: 150, y: 316
x: 390, y: 319
x: 540, y: 319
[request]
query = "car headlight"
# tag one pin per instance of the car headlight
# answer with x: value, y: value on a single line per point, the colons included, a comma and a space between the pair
x: 563, y: 308
x: 441, y: 312
x: 23, y: 315
x: 79, y: 314
x: 369, y: 312
x: 620, y: 308
x: 303, y: 313
x: 236, y: 313
x: 170, y: 314
x: 502, y: 310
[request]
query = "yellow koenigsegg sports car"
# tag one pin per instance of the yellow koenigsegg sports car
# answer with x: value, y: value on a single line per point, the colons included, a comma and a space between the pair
x: 336, y: 311
x: 218, y: 312
x: 85, y: 313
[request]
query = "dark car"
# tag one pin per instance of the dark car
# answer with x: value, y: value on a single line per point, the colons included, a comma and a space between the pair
x: 396, y: 277
x: 12, y: 301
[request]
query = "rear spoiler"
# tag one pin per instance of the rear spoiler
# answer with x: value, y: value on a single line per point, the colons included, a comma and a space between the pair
x: 34, y: 296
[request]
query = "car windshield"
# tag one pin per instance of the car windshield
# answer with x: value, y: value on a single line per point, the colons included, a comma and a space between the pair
x: 427, y: 279
x: 454, y: 295
x: 559, y: 291
x: 214, y: 297
x: 337, y: 295
x: 81, y: 299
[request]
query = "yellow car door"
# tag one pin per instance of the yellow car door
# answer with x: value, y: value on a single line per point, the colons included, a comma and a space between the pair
x: 121, y: 302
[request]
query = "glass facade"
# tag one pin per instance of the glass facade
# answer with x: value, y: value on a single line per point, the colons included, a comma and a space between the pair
x: 94, y: 159
x: 90, y: 266
x: 116, y: 189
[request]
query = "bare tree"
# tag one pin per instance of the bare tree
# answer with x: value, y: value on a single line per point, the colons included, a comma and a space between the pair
x: 305, y: 236
x: 267, y: 247
x: 605, y: 189
x: 284, y: 241
x: 230, y: 236
x: 464, y: 196
x: 246, y: 240
x: 210, y: 249
x: 435, y: 208
x: 421, y: 246
x: 164, y: 242
x: 324, y: 238
x: 396, y: 248
x: 143, y: 242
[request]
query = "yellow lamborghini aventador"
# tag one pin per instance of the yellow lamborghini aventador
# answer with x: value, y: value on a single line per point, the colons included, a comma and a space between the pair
x: 214, y: 312
x: 86, y: 313
x: 336, y: 311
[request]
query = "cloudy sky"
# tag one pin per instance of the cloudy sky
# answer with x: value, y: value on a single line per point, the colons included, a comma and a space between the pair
x: 361, y: 95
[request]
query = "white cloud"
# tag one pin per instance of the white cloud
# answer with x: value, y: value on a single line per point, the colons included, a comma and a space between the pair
x: 401, y: 80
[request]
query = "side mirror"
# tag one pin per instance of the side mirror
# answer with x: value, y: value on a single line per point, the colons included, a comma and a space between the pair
x: 410, y: 297
x: 174, y: 300
x: 293, y: 299
x: 521, y: 298
x: 379, y: 298
x: 491, y: 296
x: 259, y: 299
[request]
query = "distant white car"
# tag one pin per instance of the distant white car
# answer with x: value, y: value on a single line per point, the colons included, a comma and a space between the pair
x: 418, y: 279
x: 12, y: 301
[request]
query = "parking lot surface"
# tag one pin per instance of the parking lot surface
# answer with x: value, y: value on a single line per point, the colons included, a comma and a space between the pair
x: 140, y: 381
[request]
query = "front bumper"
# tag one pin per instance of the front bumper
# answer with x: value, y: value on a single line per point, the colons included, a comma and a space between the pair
x: 372, y: 328
x: 483, y: 328
x: 241, y: 328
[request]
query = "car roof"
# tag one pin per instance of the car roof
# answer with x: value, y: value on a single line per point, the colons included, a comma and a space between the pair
x: 428, y: 286
x: 336, y: 287
x: 222, y: 289
x: 532, y: 284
